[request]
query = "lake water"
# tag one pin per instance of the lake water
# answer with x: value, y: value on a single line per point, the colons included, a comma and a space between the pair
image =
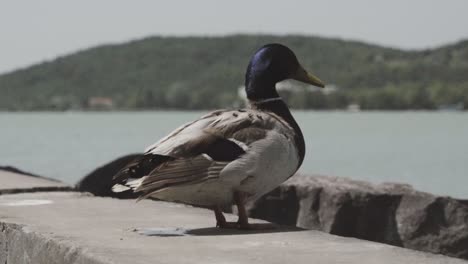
x: 428, y: 150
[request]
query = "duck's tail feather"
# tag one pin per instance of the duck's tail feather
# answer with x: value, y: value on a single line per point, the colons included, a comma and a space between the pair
x: 179, y: 172
x: 136, y: 170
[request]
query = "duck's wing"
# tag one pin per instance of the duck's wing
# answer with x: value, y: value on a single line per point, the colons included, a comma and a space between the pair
x: 199, y: 151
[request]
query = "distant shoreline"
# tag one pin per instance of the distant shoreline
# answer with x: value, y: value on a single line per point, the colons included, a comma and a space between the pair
x: 197, y: 73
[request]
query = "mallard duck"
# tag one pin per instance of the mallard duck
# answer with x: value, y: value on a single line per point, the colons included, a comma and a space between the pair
x: 228, y: 156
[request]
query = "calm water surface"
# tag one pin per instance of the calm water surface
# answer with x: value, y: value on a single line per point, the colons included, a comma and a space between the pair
x: 426, y: 149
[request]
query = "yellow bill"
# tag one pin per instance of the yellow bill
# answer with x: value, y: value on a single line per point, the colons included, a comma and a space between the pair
x: 305, y: 77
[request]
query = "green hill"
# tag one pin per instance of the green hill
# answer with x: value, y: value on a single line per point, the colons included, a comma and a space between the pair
x: 205, y: 72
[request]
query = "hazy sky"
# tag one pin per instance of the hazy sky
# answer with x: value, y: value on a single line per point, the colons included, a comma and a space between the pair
x: 32, y: 31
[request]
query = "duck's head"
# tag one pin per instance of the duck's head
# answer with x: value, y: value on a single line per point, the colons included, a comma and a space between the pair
x: 271, y: 64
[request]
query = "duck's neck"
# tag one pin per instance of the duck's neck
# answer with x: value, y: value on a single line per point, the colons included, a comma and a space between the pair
x: 259, y: 88
x: 279, y: 107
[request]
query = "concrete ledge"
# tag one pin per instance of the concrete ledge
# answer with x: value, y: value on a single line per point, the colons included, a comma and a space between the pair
x: 12, y: 182
x: 19, y: 245
x: 70, y: 227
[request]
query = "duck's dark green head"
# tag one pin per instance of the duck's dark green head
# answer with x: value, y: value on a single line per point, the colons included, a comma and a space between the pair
x: 271, y: 64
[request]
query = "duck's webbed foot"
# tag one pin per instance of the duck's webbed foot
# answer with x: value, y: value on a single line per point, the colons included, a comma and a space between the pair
x: 243, y: 223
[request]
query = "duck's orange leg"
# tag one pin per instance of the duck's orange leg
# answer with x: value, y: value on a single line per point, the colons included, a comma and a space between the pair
x: 242, y: 223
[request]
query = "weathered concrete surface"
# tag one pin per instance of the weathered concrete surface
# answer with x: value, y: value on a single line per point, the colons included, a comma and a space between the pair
x: 76, y: 228
x: 11, y: 182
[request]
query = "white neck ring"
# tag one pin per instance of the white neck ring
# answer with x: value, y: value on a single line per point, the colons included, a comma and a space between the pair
x: 268, y: 100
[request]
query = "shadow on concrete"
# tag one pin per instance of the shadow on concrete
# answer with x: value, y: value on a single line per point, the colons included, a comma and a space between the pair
x: 261, y: 228
x: 258, y: 229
